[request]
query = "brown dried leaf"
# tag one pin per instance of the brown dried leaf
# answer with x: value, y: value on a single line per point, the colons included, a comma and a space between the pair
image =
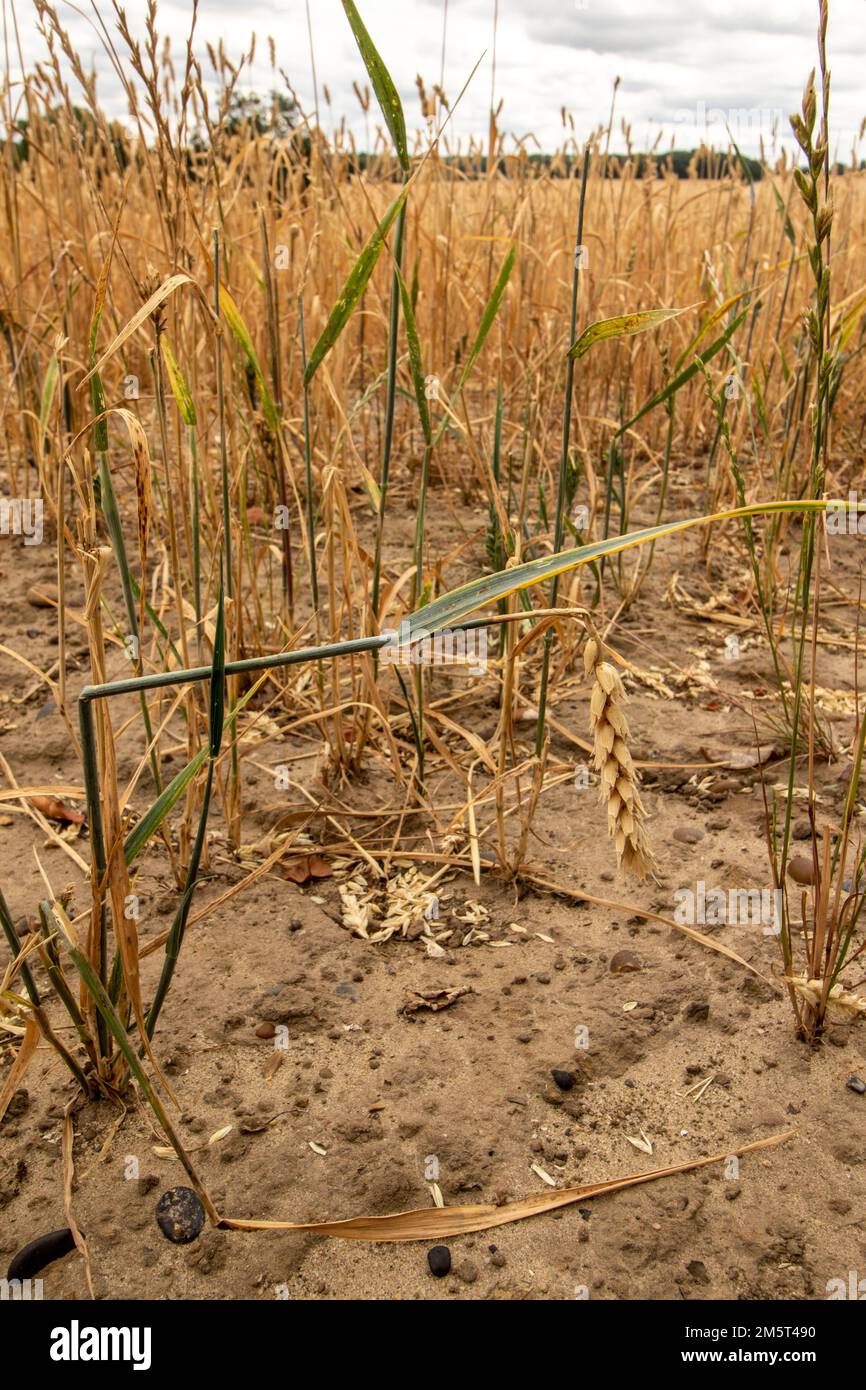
x: 434, y: 999
x: 433, y: 1223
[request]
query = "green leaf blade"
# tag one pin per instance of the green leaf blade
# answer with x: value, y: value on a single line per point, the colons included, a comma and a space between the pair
x: 622, y: 326
x: 352, y: 290
x: 382, y: 83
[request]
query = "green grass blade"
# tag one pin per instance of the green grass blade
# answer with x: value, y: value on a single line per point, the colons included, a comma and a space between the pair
x: 233, y: 317
x: 415, y: 364
x: 459, y: 603
x: 218, y: 679
x: 679, y: 381
x: 150, y: 823
x: 107, y: 1013
x: 49, y: 388
x: 491, y: 309
x: 382, y: 83
x: 217, y: 719
x: 15, y: 946
x: 352, y: 290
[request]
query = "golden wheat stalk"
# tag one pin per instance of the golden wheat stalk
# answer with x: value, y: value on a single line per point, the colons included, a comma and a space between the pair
x: 618, y: 780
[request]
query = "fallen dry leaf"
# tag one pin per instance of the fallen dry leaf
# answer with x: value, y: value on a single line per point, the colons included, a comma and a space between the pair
x: 434, y: 999
x: 24, y: 1057
x: 433, y: 1223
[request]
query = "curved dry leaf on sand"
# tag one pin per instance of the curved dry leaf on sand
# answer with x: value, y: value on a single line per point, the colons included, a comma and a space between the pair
x: 430, y: 1223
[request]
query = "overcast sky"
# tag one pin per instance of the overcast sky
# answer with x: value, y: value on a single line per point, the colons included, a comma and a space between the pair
x: 684, y: 65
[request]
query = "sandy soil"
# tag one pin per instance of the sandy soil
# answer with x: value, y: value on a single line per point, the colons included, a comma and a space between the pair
x: 470, y: 1086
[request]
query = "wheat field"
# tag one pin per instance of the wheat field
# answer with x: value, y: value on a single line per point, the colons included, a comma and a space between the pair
x: 579, y: 430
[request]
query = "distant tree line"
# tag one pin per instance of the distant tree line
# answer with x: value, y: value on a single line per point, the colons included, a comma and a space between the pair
x: 275, y: 116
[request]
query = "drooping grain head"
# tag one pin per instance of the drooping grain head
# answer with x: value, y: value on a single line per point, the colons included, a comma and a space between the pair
x: 618, y: 781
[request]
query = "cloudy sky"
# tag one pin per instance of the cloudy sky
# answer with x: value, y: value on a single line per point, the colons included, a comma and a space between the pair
x: 687, y: 66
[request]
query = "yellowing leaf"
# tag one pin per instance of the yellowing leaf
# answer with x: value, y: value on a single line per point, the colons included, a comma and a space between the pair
x: 623, y: 326
x: 180, y: 390
x: 158, y: 297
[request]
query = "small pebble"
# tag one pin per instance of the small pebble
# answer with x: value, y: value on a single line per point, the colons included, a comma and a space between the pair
x: 688, y: 834
x: 439, y: 1260
x: 266, y: 1030
x: 40, y: 596
x: 856, y: 1083
x: 563, y: 1079
x: 623, y: 961
x: 179, y: 1215
x: 801, y: 870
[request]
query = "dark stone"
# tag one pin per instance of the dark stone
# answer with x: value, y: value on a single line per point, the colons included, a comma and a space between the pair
x: 439, y: 1260
x: 179, y: 1215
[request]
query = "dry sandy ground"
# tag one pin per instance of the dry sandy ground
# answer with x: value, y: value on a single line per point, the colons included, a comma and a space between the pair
x: 469, y: 1086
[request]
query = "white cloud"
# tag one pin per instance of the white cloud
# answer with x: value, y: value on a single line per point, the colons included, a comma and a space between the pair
x: 686, y: 65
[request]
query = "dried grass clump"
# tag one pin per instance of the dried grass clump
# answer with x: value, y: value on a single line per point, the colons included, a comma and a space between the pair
x: 618, y: 781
